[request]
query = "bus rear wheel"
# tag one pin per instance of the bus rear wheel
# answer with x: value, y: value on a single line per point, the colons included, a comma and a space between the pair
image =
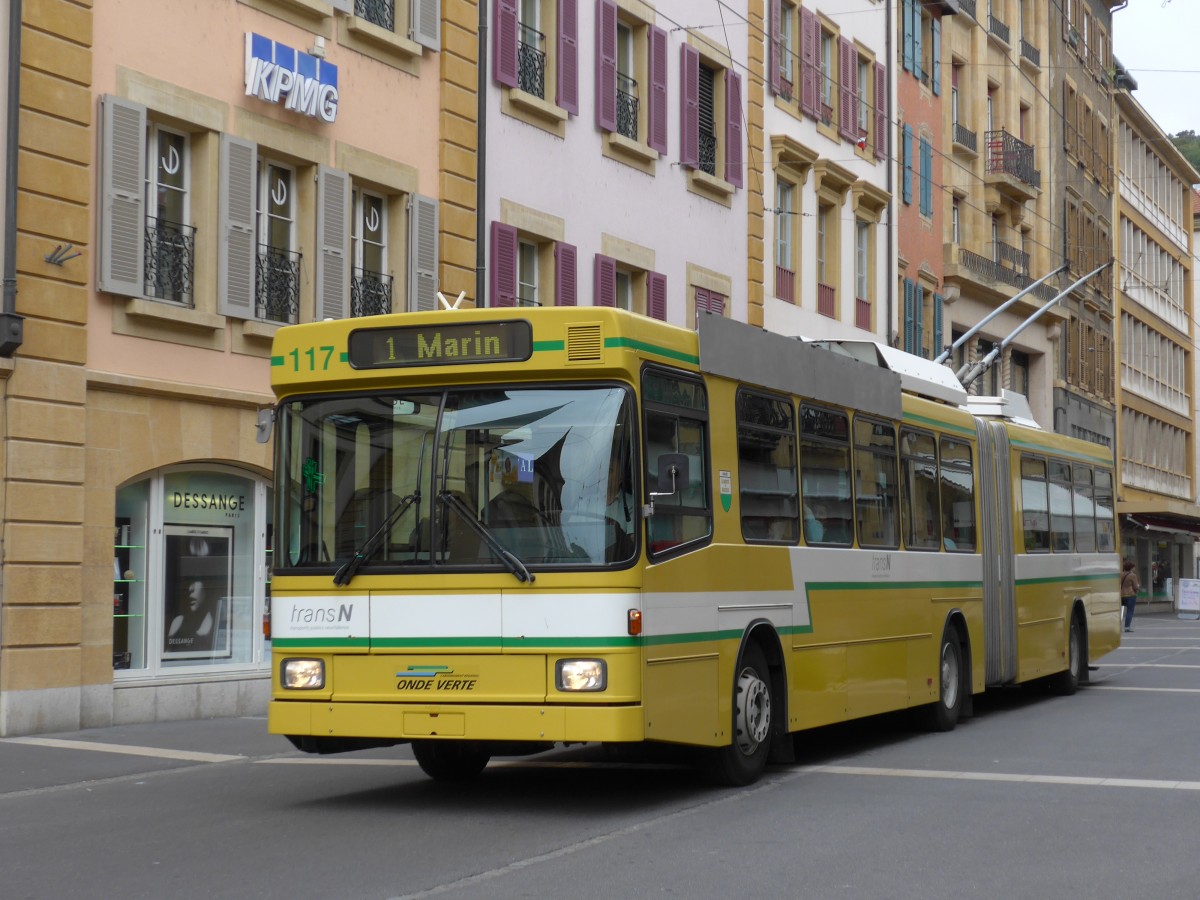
x: 1066, y: 682
x: 450, y: 760
x: 943, y: 713
x: 743, y: 761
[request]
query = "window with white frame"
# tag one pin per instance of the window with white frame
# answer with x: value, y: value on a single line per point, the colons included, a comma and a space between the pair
x: 277, y: 273
x: 785, y: 243
x: 370, y: 283
x: 170, y: 240
x: 527, y: 274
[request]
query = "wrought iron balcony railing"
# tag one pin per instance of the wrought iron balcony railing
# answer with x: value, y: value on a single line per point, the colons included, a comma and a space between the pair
x: 1030, y: 52
x: 531, y: 62
x: 1011, y: 257
x: 990, y: 269
x: 370, y: 293
x: 964, y: 137
x: 277, y: 285
x: 998, y: 28
x: 1008, y: 155
x: 708, y: 152
x: 968, y: 6
x: 627, y: 106
x: 377, y: 12
x: 170, y: 260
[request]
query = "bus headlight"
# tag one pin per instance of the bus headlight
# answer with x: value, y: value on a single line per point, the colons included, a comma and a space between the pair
x: 302, y: 674
x: 581, y: 674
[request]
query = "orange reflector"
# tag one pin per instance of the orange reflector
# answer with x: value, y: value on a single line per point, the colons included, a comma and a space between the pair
x: 635, y: 622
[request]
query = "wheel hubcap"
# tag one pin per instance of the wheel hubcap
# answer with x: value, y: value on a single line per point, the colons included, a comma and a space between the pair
x: 753, y: 719
x: 949, y: 676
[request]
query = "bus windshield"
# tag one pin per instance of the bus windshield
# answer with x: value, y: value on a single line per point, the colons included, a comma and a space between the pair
x: 472, y: 478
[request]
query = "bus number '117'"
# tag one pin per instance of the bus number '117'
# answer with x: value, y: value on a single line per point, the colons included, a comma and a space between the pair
x: 318, y: 357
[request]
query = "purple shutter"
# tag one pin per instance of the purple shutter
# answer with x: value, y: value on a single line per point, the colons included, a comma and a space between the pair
x: 733, y: 128
x: 604, y: 281
x: 657, y: 112
x: 606, y: 65
x: 564, y: 274
x: 847, y: 71
x: 810, y: 38
x: 882, y: 126
x: 505, y: 49
x: 504, y: 265
x: 568, y: 56
x: 716, y: 303
x: 689, y: 106
x: 656, y: 296
x: 775, y: 44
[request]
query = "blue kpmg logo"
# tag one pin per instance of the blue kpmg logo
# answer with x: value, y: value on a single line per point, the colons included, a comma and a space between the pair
x: 302, y: 82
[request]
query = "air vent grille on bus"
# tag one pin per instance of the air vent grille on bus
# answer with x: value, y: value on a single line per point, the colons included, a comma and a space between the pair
x: 584, y: 343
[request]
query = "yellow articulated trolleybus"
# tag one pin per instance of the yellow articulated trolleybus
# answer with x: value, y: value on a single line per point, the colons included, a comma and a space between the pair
x: 500, y: 530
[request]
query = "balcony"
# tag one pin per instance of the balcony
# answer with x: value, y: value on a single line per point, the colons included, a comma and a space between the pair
x: 1030, y: 53
x: 862, y: 313
x: 1010, y: 257
x: 170, y: 260
x: 1010, y: 166
x: 968, y: 6
x: 785, y: 284
x: 377, y: 12
x: 998, y: 28
x: 993, y: 273
x: 965, y: 139
x: 370, y: 294
x: 708, y: 152
x: 627, y: 107
x: 531, y: 62
x: 277, y: 285
x: 827, y: 300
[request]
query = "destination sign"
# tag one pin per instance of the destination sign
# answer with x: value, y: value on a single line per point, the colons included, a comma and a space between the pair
x: 440, y: 345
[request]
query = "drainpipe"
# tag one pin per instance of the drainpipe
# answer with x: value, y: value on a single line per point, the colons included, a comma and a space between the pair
x: 11, y: 331
x: 480, y: 160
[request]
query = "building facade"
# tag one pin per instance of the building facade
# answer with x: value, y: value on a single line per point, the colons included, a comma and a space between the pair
x: 182, y: 199
x: 1001, y: 244
x: 1155, y: 290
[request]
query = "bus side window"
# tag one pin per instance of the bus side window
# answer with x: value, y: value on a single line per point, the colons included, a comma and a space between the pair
x: 825, y: 476
x: 1061, y: 506
x: 676, y: 416
x: 1035, y: 511
x: 958, y: 496
x: 922, y: 520
x: 1085, y: 510
x: 875, y: 483
x: 768, y: 490
x: 1106, y: 529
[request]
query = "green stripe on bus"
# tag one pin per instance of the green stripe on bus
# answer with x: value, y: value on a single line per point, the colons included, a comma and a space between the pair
x: 543, y: 346
x: 652, y: 348
x: 888, y: 585
x: 306, y: 643
x: 1068, y: 579
x: 495, y: 643
x: 938, y: 423
x: 276, y: 360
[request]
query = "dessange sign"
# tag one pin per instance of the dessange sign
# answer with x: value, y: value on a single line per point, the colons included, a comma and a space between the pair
x: 300, y: 81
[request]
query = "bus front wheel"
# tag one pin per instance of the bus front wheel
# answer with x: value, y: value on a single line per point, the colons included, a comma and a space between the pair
x: 943, y: 713
x: 1066, y: 682
x: 450, y: 760
x: 743, y: 761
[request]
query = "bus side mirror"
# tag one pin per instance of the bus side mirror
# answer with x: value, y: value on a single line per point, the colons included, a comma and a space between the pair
x: 673, y: 471
x: 262, y: 428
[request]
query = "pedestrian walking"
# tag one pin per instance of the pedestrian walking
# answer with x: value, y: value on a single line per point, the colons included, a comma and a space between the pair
x: 1129, y: 590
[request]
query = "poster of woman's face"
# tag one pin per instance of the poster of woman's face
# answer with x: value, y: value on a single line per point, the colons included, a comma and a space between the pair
x: 199, y: 578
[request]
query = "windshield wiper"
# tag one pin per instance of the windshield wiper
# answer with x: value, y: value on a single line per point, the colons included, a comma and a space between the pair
x: 518, y: 568
x: 346, y: 571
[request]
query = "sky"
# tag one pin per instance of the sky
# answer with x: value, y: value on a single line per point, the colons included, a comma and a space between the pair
x: 1157, y: 42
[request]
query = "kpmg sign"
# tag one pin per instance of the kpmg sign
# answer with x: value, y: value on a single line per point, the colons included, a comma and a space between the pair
x: 300, y: 81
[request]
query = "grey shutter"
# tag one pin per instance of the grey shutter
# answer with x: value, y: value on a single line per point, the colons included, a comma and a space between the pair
x: 422, y: 253
x: 425, y: 23
x: 236, y: 248
x: 333, y: 244
x: 123, y: 212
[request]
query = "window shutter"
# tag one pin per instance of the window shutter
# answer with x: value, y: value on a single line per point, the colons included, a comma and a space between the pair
x: 236, y: 253
x: 604, y: 281
x: 606, y: 65
x: 733, y: 128
x: 938, y: 302
x: 504, y: 265
x: 657, y: 112
x: 936, y: 52
x: 564, y: 274
x: 422, y: 253
x: 568, y: 56
x: 909, y: 320
x: 919, y: 321
x: 918, y: 50
x: 123, y: 215
x: 656, y: 295
x: 810, y: 35
x: 689, y: 132
x: 333, y: 244
x: 907, y: 18
x: 882, y: 125
x: 926, y: 177
x: 505, y: 42
x: 907, y: 150
x: 774, y: 44
x: 425, y: 22
x: 716, y: 303
x: 847, y: 72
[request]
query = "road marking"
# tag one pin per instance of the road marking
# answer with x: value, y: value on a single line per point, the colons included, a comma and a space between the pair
x: 1148, y: 690
x: 1145, y: 666
x: 324, y: 761
x: 158, y: 753
x: 1005, y: 777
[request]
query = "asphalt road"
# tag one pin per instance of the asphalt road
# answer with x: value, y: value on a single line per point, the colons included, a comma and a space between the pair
x: 1096, y: 795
